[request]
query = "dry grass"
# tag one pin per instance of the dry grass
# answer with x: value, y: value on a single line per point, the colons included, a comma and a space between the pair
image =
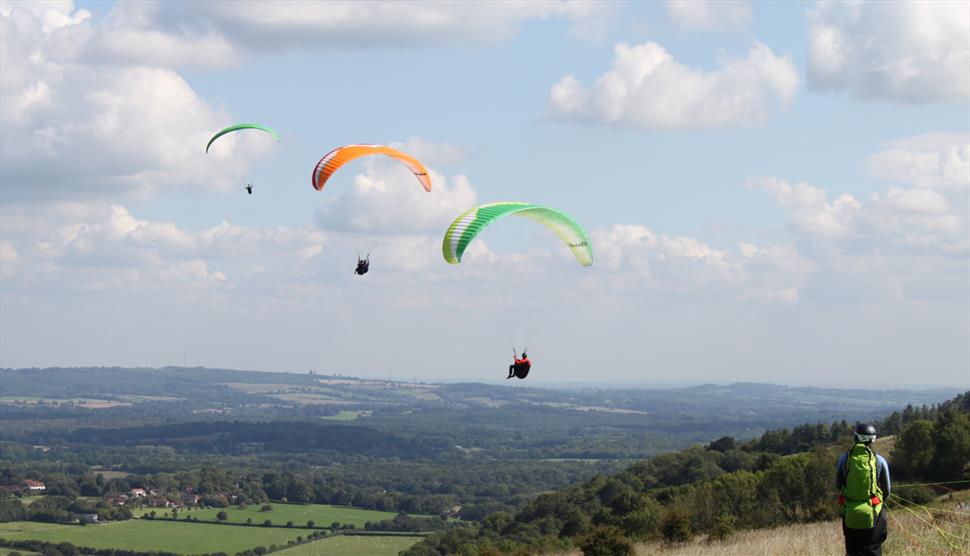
x: 936, y: 534
x: 940, y: 531
x: 813, y: 539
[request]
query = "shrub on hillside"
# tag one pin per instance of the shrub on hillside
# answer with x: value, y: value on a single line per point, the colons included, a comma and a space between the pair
x: 675, y: 525
x: 918, y: 495
x: 722, y: 529
x: 606, y: 540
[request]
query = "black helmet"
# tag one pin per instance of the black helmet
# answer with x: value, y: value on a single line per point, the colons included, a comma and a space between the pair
x: 865, y: 432
x: 524, y: 356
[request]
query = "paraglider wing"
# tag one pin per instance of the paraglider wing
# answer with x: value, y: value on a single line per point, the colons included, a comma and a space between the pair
x: 466, y: 228
x: 237, y: 127
x: 336, y: 158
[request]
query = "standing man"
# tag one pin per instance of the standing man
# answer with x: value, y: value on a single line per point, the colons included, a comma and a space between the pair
x: 862, y: 477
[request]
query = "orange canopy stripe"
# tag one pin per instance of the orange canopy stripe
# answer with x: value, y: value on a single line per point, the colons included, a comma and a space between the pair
x: 336, y: 158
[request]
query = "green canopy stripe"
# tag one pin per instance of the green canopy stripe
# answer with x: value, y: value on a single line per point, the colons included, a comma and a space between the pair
x: 466, y: 228
x: 237, y: 127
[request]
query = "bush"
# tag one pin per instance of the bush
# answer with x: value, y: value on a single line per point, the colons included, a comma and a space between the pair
x: 266, y: 508
x: 289, y: 524
x: 675, y: 526
x: 268, y: 523
x: 606, y: 541
x: 249, y: 521
x: 918, y: 495
x: 723, y: 528
x: 222, y: 516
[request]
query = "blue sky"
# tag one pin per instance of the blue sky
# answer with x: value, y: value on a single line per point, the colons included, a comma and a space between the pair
x: 775, y: 191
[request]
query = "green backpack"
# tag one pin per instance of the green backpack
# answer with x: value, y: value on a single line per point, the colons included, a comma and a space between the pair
x: 861, y: 495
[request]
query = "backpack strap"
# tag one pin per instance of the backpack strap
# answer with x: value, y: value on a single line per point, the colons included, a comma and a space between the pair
x: 845, y: 468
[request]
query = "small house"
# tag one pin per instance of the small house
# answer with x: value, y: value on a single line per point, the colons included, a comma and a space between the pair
x: 35, y: 486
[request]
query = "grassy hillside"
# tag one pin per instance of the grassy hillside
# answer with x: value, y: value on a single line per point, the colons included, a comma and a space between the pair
x: 935, y: 532
x: 741, y: 493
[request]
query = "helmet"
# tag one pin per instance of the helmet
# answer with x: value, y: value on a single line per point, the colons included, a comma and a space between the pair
x: 524, y: 356
x: 865, y: 432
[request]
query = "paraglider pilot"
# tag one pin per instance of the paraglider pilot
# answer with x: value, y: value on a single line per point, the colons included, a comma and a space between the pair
x: 519, y: 369
x: 249, y: 188
x: 363, y: 265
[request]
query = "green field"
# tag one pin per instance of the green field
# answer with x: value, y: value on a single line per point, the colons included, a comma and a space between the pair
x: 6, y: 551
x: 344, y: 415
x: 322, y: 514
x: 144, y: 535
x: 341, y: 545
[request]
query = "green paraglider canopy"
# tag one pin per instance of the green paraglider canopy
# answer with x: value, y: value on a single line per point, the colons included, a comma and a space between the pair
x: 237, y: 127
x: 466, y: 227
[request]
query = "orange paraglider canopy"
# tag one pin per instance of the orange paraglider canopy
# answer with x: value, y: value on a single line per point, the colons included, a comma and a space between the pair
x: 336, y: 158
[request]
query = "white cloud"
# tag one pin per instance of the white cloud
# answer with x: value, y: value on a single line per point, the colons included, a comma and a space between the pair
x: 936, y: 160
x: 387, y: 198
x: 811, y: 211
x: 71, y: 130
x: 928, y: 218
x: 647, y: 88
x: 662, y: 261
x: 208, y: 34
x: 94, y: 246
x: 907, y: 243
x: 898, y: 51
x: 709, y: 14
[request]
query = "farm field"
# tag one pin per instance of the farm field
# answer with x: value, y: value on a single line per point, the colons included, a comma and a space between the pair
x: 84, y: 403
x: 321, y: 514
x: 144, y: 535
x: 346, y: 545
x: 346, y: 415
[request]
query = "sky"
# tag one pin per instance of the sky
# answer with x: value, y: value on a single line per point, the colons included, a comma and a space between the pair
x: 774, y: 191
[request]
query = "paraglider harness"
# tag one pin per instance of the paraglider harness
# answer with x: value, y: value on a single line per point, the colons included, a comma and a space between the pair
x: 861, y: 498
x: 519, y: 369
x: 363, y: 265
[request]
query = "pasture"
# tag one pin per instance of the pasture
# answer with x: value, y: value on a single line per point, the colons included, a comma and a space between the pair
x: 321, y: 514
x: 144, y: 535
x: 346, y: 545
x: 346, y: 415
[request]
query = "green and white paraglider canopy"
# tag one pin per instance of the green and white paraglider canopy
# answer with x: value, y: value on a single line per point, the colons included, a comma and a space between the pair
x: 466, y: 228
x: 237, y: 127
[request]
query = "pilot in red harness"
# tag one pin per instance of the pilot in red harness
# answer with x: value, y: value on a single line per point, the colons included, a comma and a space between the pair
x: 519, y: 369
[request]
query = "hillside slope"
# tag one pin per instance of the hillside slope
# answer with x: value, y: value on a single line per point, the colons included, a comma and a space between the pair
x: 762, y: 489
x: 936, y: 533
